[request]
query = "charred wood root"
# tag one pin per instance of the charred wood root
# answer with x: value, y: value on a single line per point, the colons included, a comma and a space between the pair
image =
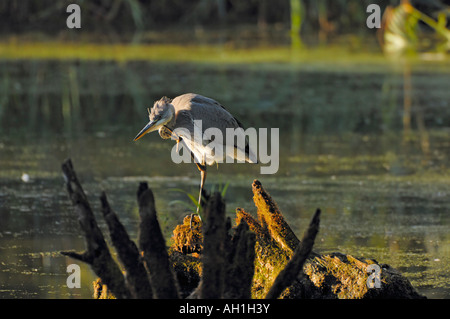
x: 271, y: 219
x: 136, y: 274
x: 241, y: 264
x: 134, y: 282
x: 213, y: 259
x: 97, y: 254
x: 260, y: 257
x: 227, y: 261
x: 293, y: 268
x: 153, y: 247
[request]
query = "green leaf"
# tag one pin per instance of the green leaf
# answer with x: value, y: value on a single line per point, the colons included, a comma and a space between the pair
x: 224, y: 190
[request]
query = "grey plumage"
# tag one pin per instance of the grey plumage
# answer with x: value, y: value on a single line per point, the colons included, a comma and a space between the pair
x: 177, y: 118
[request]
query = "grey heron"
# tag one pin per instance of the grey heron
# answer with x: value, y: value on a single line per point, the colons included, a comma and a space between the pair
x: 178, y: 119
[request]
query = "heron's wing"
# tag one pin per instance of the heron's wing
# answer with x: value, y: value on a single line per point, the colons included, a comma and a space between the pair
x: 243, y: 145
x: 200, y: 107
x: 190, y: 107
x: 192, y: 136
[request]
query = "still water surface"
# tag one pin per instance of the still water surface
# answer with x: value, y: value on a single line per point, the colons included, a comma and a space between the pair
x: 377, y: 166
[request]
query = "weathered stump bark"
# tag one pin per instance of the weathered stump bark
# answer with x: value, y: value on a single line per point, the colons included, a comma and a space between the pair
x: 135, y: 272
x: 323, y: 276
x: 241, y: 264
x: 153, y: 247
x: 295, y: 265
x: 336, y: 275
x: 260, y: 257
x: 97, y: 254
x: 275, y: 241
x: 213, y: 257
x: 271, y: 219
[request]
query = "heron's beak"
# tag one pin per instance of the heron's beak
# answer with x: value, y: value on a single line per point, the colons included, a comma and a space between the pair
x: 150, y: 127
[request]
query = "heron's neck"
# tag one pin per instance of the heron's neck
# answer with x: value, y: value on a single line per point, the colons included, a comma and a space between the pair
x: 171, y: 123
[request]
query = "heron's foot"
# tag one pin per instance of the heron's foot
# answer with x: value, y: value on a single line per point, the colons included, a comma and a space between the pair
x: 192, y: 218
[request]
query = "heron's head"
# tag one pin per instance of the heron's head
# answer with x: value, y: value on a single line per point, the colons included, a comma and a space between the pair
x: 161, y: 114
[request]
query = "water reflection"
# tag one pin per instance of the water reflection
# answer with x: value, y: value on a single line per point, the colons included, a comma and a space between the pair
x: 380, y: 179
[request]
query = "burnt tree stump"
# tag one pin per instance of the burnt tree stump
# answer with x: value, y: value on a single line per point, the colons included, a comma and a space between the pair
x: 260, y: 257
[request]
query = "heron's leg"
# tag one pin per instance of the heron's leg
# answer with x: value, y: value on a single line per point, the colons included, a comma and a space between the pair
x: 202, y: 169
x: 202, y: 183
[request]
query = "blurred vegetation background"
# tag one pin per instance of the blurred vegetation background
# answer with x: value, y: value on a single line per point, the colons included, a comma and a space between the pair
x: 115, y: 20
x: 168, y: 33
